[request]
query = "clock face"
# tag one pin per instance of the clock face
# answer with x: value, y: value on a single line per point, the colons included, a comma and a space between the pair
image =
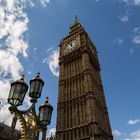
x: 71, y: 45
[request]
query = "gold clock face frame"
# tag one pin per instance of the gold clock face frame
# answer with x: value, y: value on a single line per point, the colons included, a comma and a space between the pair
x: 71, y: 45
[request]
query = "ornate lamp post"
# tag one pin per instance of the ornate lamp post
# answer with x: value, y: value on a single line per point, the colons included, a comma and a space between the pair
x: 31, y: 123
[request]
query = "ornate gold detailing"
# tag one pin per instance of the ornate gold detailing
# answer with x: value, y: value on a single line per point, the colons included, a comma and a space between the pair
x: 23, y: 125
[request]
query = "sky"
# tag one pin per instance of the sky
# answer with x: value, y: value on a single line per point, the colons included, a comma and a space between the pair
x: 30, y: 33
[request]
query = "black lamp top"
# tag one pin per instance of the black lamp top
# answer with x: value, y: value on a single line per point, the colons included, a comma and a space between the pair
x: 20, y: 81
x: 46, y: 103
x: 37, y: 77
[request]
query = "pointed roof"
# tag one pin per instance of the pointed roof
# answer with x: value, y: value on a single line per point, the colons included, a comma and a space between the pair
x: 75, y: 25
x: 76, y: 20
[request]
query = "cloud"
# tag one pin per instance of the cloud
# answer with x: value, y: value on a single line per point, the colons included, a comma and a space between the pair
x: 29, y: 72
x: 119, y: 41
x: 10, y: 66
x: 130, y: 2
x: 137, y: 2
x: 134, y: 136
x: 131, y: 51
x: 44, y: 2
x: 13, y: 45
x: 116, y: 133
x: 124, y: 18
x: 131, y: 136
x: 136, y: 39
x: 52, y: 60
x: 136, y: 35
x: 51, y: 132
x: 119, y: 135
x: 13, y: 26
x: 50, y: 49
x: 132, y: 122
x: 5, y: 116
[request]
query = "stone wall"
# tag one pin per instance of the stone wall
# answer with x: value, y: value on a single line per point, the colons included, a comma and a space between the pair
x: 6, y: 133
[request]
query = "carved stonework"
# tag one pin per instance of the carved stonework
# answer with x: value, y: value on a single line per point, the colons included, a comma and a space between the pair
x: 7, y: 133
x: 82, y: 112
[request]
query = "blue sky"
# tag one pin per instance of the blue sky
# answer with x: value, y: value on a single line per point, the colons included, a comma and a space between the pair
x: 30, y: 32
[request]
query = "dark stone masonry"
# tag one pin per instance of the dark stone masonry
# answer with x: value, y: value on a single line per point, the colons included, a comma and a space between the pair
x: 81, y: 110
x: 7, y: 133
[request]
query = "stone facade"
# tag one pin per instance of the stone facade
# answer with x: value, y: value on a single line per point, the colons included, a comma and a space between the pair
x: 82, y: 112
x: 7, y: 133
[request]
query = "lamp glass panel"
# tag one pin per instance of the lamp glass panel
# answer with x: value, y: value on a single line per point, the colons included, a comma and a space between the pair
x: 46, y: 113
x: 21, y: 97
x: 32, y: 86
x: 40, y: 87
x: 49, y: 115
x: 41, y: 114
x: 11, y: 91
x: 23, y: 91
x: 36, y: 85
x: 17, y: 91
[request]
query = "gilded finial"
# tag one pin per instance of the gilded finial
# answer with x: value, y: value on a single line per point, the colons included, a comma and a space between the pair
x: 22, y: 77
x: 38, y: 74
x: 47, y: 100
x: 76, y: 19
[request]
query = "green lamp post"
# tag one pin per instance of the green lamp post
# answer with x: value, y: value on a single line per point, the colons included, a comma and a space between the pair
x: 45, y: 114
x: 36, y: 86
x: 17, y: 92
x: 31, y: 123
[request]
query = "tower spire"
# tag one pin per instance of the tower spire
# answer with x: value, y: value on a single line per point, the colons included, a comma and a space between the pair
x: 76, y: 19
x: 76, y: 25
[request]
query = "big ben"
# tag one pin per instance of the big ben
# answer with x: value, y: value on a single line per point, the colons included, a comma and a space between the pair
x: 82, y: 111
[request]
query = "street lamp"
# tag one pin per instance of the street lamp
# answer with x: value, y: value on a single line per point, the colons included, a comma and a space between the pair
x: 45, y: 114
x: 31, y: 123
x: 17, y: 92
x: 36, y: 86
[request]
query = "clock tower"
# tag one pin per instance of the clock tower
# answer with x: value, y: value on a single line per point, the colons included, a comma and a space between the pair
x: 82, y: 111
